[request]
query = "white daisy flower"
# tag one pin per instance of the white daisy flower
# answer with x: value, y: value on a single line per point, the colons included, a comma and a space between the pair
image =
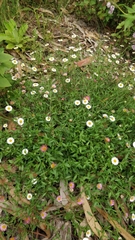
x: 89, y: 123
x: 117, y: 61
x: 47, y: 44
x: 34, y: 181
x: 88, y: 106
x: 134, y: 144
x: 5, y: 125
x: 119, y: 137
x: 51, y: 59
x: 8, y: 108
x: 14, y: 78
x: 105, y: 115
x: 132, y: 68
x: 25, y: 151
x: 10, y: 140
x: 128, y: 145
x: 48, y: 118
x: 109, y: 60
x: 88, y: 233
x: 29, y: 196
x: 85, y: 238
x: 130, y: 87
x: 74, y: 35
x: 22, y: 64
x: 73, y: 56
x: 77, y: 102
x: 55, y: 90
x: 45, y: 70
x: 112, y: 118
x: 20, y: 121
x: 71, y: 48
x: 114, y: 56
x: 115, y: 161
x: 120, y: 85
x: 64, y: 60
x: 85, y: 101
x: 33, y: 92
x: 45, y: 95
x: 34, y: 69
x: 60, y: 40
x: 41, y: 88
x: 14, y: 61
x: 53, y: 69
x: 67, y: 80
x: 133, y: 216
x: 132, y: 199
x: 76, y: 49
x: 35, y: 84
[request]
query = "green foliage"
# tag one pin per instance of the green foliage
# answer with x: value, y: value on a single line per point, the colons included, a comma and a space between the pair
x: 129, y: 19
x: 55, y: 131
x: 13, y: 36
x: 5, y: 65
x: 94, y: 10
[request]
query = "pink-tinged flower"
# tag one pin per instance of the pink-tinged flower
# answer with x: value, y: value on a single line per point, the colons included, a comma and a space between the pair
x: 79, y: 201
x: 134, y: 35
x: 112, y: 202
x: 87, y: 97
x: 133, y: 47
x: 53, y: 165
x: 59, y: 199
x: 99, y: 186
x: 3, y: 227
x: 43, y: 214
x: 71, y: 185
x: 27, y: 220
x: 107, y: 139
x: 43, y: 148
x: 54, y: 86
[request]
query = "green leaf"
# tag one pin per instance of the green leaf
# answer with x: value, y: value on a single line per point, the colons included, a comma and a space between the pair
x: 23, y: 30
x: 10, y: 25
x: 4, y: 82
x: 10, y: 46
x: 5, y: 67
x: 15, y: 35
x: 4, y: 57
x: 3, y: 36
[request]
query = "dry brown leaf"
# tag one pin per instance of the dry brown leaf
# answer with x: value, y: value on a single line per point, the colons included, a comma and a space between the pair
x: 8, y: 168
x: 19, y: 199
x: 63, y: 192
x: 45, y: 229
x: 84, y: 61
x: 39, y: 34
x: 92, y: 221
x: 116, y: 225
x: 119, y: 215
x: 45, y: 11
x: 83, y: 224
x: 92, y: 35
x: 11, y: 126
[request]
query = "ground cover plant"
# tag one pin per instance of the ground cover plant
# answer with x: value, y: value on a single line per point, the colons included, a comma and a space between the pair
x: 68, y: 139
